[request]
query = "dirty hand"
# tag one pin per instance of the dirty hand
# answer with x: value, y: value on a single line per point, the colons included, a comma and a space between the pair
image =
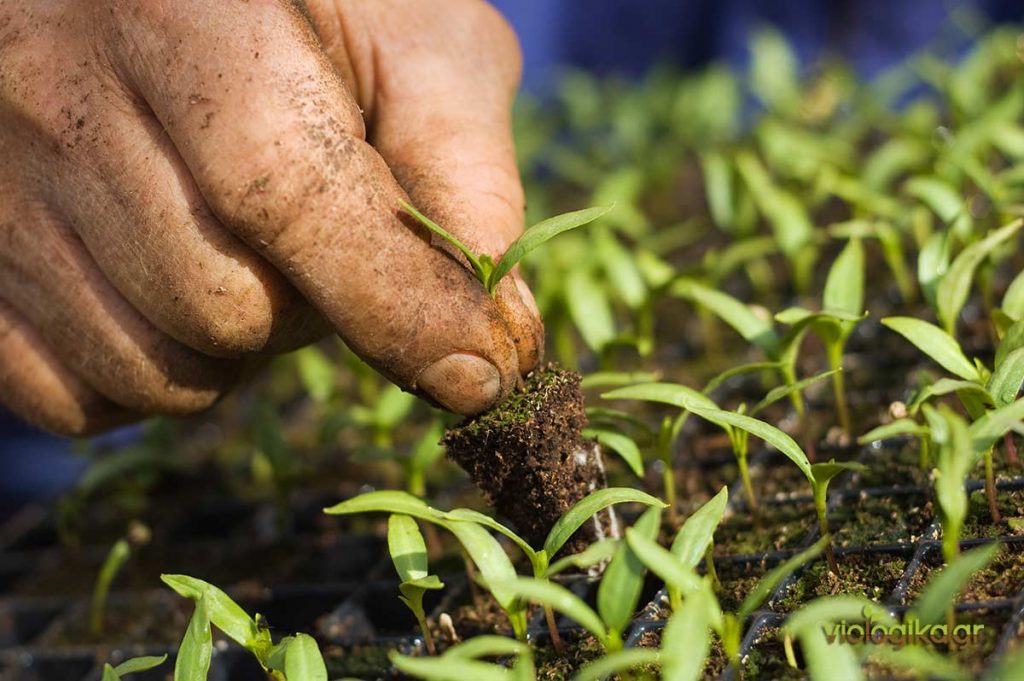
x: 188, y: 186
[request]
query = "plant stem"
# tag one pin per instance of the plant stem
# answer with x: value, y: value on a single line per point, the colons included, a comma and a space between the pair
x: 1011, y: 450
x: 950, y: 541
x: 669, y: 478
x: 666, y: 437
x: 990, y: 488
x: 748, y: 487
x: 428, y: 640
x: 709, y: 566
x: 925, y: 457
x: 835, y: 360
x: 821, y: 507
x: 556, y: 638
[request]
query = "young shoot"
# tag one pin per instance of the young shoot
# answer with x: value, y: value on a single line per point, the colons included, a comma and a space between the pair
x: 133, y: 666
x: 470, y: 528
x: 821, y: 475
x: 843, y: 307
x: 409, y: 554
x: 117, y: 558
x: 490, y: 273
x: 293, y: 658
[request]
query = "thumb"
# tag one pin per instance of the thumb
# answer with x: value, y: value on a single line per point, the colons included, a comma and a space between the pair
x: 440, y: 116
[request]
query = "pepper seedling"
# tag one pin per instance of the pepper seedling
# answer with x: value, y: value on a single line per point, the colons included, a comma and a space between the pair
x: 409, y: 555
x: 132, y: 666
x: 495, y: 567
x: 490, y: 273
x: 293, y: 658
x: 617, y: 595
x: 118, y: 556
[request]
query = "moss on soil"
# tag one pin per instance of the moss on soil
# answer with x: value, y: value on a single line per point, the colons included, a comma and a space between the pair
x: 873, y: 576
x: 869, y: 521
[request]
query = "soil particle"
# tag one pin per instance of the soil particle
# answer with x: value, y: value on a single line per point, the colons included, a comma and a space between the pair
x: 529, y: 457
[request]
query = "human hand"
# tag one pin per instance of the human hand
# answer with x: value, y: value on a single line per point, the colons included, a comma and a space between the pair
x: 187, y: 187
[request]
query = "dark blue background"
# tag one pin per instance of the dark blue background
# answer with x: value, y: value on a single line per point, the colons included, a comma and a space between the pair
x: 623, y: 36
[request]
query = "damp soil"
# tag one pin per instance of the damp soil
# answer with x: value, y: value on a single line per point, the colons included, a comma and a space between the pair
x: 1003, y: 578
x: 871, y: 575
x: 529, y: 457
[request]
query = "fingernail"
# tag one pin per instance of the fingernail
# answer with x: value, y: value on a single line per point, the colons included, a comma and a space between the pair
x: 527, y: 295
x: 462, y: 383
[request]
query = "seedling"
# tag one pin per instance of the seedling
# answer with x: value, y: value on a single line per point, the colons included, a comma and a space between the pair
x: 120, y: 553
x: 821, y: 475
x: 293, y: 658
x: 409, y: 554
x: 132, y: 666
x: 843, y: 303
x: 490, y: 273
x: 495, y: 567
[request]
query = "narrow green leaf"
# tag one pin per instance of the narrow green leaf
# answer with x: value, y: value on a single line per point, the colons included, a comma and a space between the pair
x: 944, y: 585
x: 619, y: 591
x: 768, y: 433
x: 540, y: 233
x: 955, y: 286
x: 140, y: 664
x: 945, y: 386
x: 598, y: 552
x: 560, y: 599
x: 481, y: 271
x: 736, y: 314
x: 922, y: 661
x: 316, y: 373
x: 844, y: 287
x: 495, y: 567
x: 897, y: 428
x: 589, y: 309
x: 623, y: 445
x: 472, y: 516
x: 447, y: 668
x: 825, y: 471
x: 585, y: 508
x: 616, y: 663
x: 1012, y: 340
x: 939, y: 195
x: 407, y: 548
x: 303, y: 661
x: 109, y: 674
x: 664, y: 393
x: 935, y: 343
x: 783, y: 391
x: 687, y: 637
x: 768, y: 583
x: 732, y: 372
x: 827, y: 661
x: 718, y: 188
x: 698, y: 531
x: 224, y: 613
x: 669, y: 567
x: 196, y: 650
x: 987, y: 430
x: 611, y: 379
x: 840, y: 608
x: 487, y: 646
x: 387, y: 501
x: 1004, y: 385
x: 1013, y: 299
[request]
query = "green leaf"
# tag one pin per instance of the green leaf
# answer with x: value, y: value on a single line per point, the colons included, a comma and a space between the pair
x: 955, y: 286
x: 487, y: 521
x: 698, y: 531
x: 751, y: 368
x: 944, y: 585
x: 987, y: 430
x: 316, y: 373
x: 939, y: 195
x: 224, y: 613
x: 664, y: 393
x: 487, y: 646
x: 844, y: 287
x: 623, y: 580
x: 824, y: 472
x: 622, y: 445
x: 492, y: 561
x: 610, y: 379
x: 387, y: 501
x: 669, y: 567
x: 560, y: 599
x: 139, y: 664
x: 840, y: 608
x: 1012, y: 340
x: 774, y: 73
x: 480, y: 267
x: 1004, y: 385
x: 539, y: 234
x: 933, y: 263
x: 585, y: 508
x: 739, y: 316
x: 768, y: 433
x: 1013, y: 299
x: 618, y: 264
x: 935, y: 343
x: 407, y: 547
x: 303, y: 661
x: 718, y: 187
x: 767, y: 584
x: 196, y: 650
x: 446, y: 668
x: 589, y: 309
x: 897, y: 428
x: 616, y: 663
x: 687, y: 637
x: 598, y: 552
x: 783, y: 391
x: 945, y: 386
